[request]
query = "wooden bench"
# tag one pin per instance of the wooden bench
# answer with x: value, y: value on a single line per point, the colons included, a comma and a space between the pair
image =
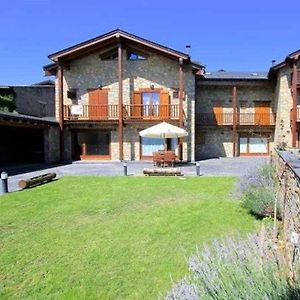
x: 162, y: 172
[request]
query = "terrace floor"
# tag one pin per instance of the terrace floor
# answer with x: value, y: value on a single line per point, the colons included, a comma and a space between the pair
x: 238, y: 166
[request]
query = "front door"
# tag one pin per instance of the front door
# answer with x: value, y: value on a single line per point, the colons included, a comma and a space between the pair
x: 262, y: 113
x: 98, y: 104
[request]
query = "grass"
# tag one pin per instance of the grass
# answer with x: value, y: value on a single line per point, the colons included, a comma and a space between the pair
x: 109, y: 238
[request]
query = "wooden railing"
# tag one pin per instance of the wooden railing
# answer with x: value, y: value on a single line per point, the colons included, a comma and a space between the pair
x: 241, y: 119
x: 91, y: 112
x: 152, y: 112
x: 130, y: 112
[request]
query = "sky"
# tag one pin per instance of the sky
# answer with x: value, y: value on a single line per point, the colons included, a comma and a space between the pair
x: 231, y: 35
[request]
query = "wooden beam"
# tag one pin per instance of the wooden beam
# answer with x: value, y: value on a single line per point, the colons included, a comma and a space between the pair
x: 120, y: 78
x: 181, y: 87
x: 60, y: 80
x: 234, y: 121
x: 295, y: 100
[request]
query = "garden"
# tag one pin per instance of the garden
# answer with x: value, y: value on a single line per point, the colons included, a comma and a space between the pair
x: 108, y: 238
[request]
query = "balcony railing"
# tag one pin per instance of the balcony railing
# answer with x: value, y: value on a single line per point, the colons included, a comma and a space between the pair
x: 241, y: 119
x: 151, y: 112
x: 91, y: 112
x: 130, y: 112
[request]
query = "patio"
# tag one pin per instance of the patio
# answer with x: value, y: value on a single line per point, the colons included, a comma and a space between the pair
x: 212, y: 167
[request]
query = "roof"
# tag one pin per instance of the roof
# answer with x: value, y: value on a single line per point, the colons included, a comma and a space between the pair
x: 223, y: 75
x: 21, y: 117
x: 115, y: 34
x: 106, y: 40
x: 289, y: 57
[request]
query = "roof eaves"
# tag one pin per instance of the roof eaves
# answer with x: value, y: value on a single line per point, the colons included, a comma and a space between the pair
x: 88, y: 43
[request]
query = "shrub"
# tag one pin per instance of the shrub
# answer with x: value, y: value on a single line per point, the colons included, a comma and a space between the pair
x: 259, y: 190
x: 252, y: 268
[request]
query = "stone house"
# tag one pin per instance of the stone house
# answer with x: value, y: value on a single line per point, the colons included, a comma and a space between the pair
x: 109, y: 88
x: 115, y: 85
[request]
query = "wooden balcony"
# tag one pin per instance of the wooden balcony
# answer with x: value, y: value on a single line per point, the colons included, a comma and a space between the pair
x: 222, y: 119
x: 130, y: 112
x: 91, y: 112
x: 151, y: 112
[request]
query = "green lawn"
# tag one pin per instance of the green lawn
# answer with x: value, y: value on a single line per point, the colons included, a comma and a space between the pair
x: 108, y: 238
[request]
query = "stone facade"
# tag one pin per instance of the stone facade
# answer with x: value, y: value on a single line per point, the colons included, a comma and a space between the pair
x: 160, y: 72
x: 51, y: 144
x: 35, y: 100
x: 289, y: 191
x: 218, y: 140
x: 90, y: 72
x: 284, y: 103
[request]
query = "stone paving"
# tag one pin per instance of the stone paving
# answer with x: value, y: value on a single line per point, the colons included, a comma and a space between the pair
x: 212, y: 167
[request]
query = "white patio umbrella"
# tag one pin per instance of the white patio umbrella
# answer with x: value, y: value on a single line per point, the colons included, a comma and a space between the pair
x: 164, y: 130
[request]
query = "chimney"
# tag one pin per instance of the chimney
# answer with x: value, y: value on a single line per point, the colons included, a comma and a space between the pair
x: 188, y: 49
x: 273, y: 62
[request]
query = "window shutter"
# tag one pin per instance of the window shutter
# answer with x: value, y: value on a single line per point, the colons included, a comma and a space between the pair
x: 136, y: 108
x: 164, y: 109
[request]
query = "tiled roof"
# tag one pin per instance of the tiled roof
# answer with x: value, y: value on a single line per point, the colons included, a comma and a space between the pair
x: 223, y: 75
x: 17, y: 116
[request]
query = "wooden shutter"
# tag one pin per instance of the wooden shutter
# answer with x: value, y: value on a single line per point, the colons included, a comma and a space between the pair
x: 262, y: 113
x: 93, y: 101
x: 218, y: 113
x: 164, y: 108
x: 98, y: 104
x: 136, y: 109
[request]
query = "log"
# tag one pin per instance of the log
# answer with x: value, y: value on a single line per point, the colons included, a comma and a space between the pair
x: 162, y: 171
x: 23, y: 184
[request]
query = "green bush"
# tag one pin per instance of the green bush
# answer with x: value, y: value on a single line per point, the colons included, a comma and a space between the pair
x: 7, y: 102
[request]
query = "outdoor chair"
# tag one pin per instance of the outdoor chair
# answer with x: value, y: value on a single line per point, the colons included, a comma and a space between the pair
x: 169, y: 158
x: 158, y: 158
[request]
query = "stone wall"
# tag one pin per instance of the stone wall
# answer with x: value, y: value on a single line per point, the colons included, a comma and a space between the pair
x: 283, y: 104
x: 35, y: 100
x: 89, y: 72
x: 51, y: 144
x: 208, y: 95
x: 288, y: 171
x: 214, y: 143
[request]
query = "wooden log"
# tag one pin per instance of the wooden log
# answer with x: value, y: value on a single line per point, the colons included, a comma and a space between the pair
x: 162, y: 171
x: 23, y: 184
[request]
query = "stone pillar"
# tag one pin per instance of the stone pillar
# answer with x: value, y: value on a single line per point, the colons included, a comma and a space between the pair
x: 51, y: 144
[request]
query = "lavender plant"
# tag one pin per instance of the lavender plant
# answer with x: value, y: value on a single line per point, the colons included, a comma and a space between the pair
x: 258, y: 191
x: 252, y: 268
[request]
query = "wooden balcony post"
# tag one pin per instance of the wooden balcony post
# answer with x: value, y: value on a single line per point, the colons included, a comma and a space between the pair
x: 180, y: 94
x: 234, y: 120
x: 120, y: 78
x: 295, y: 100
x: 60, y: 86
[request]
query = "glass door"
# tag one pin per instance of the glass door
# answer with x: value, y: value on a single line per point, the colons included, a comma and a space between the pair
x: 150, y: 101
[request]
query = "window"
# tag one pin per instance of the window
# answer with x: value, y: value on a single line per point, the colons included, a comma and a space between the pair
x: 109, y: 56
x: 135, y: 56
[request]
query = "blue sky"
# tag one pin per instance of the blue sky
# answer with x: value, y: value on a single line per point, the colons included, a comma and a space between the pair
x: 231, y: 35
